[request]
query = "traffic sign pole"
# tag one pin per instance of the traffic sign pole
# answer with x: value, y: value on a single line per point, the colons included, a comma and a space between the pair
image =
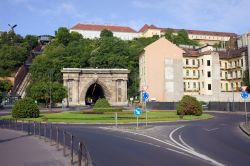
x: 245, y: 109
x: 244, y: 95
x: 137, y: 122
x: 146, y: 113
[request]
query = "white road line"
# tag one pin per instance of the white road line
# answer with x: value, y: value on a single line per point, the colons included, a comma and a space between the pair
x: 184, y: 143
x: 185, y: 149
x: 212, y: 129
x: 202, y: 156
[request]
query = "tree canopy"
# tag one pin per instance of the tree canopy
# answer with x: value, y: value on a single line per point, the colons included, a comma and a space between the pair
x: 14, y: 50
x: 181, y: 37
x: 72, y: 51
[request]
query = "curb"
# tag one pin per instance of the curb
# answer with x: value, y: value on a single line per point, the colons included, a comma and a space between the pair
x: 242, y: 127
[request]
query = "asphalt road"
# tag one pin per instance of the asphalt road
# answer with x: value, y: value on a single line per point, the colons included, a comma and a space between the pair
x: 218, y: 141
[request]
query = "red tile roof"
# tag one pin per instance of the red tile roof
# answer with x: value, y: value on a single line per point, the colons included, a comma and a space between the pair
x: 93, y: 27
x: 196, y: 32
x: 222, y: 54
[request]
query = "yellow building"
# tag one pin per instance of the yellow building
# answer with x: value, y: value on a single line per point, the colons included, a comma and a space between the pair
x: 203, y: 37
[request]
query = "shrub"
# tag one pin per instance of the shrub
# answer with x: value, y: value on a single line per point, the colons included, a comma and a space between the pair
x: 25, y: 108
x: 102, y: 103
x: 189, y: 106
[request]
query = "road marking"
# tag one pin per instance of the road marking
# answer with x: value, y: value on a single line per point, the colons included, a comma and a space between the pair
x: 180, y: 147
x: 193, y: 152
x: 184, y: 143
x: 212, y: 129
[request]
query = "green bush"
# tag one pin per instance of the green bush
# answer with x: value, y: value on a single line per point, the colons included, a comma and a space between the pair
x: 189, y: 106
x: 102, y: 103
x: 25, y: 108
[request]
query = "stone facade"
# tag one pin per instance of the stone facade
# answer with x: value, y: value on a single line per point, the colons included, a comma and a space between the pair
x: 113, y: 82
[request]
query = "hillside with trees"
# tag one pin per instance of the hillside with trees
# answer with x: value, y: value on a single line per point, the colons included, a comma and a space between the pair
x: 71, y: 50
x: 14, y: 49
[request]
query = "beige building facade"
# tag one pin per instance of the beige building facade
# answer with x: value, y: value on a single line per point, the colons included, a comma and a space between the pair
x: 160, y: 70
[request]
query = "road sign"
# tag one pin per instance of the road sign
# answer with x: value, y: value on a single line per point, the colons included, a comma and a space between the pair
x: 244, y: 95
x: 145, y: 96
x: 137, y: 111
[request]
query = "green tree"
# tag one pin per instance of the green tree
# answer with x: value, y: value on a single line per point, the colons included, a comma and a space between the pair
x: 63, y: 36
x: 40, y: 91
x: 5, y: 86
x: 106, y: 33
x: 31, y: 40
x: 180, y: 38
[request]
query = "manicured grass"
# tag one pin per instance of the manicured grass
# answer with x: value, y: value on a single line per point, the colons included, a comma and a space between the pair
x: 123, y: 117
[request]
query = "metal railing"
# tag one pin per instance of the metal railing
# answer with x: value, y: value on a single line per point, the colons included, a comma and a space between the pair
x: 70, y: 144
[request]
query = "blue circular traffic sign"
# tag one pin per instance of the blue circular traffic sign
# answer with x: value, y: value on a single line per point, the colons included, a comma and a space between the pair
x: 244, y: 95
x: 137, y: 111
x: 145, y: 96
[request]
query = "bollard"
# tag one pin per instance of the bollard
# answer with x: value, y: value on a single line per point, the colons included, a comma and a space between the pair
x: 57, y: 138
x: 22, y: 125
x: 16, y: 124
x: 29, y: 127
x: 64, y: 153
x: 80, y: 154
x: 50, y: 134
x: 71, y: 145
x: 44, y: 134
x: 39, y: 130
x: 34, y: 125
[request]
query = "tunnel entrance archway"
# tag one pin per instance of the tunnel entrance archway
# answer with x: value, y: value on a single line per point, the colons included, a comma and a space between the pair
x: 94, y: 92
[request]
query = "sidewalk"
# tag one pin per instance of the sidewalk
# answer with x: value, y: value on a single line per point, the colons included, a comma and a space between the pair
x: 19, y: 149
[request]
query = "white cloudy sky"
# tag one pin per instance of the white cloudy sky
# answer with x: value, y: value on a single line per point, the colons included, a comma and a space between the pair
x: 45, y: 16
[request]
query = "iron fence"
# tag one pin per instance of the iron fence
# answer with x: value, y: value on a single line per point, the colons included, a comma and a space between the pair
x: 70, y: 145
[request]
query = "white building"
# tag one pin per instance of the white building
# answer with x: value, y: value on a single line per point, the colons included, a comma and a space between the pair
x: 92, y: 31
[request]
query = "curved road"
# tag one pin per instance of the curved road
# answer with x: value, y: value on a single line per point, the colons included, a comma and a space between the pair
x: 217, y: 141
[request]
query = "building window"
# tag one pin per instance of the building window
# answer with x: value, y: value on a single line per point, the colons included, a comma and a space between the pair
x: 198, y: 62
x: 186, y: 61
x: 202, y: 72
x: 193, y: 62
x: 187, y: 72
x: 220, y: 63
x: 209, y: 74
x: 208, y: 62
x: 194, y: 73
x: 184, y: 86
x: 221, y: 86
x: 209, y: 86
x: 226, y: 65
x: 188, y: 85
x: 202, y: 84
x: 225, y: 75
x: 220, y: 74
x: 241, y: 62
x: 201, y: 61
x: 194, y: 85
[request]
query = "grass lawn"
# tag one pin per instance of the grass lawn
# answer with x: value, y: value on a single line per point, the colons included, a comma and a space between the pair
x: 123, y: 117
